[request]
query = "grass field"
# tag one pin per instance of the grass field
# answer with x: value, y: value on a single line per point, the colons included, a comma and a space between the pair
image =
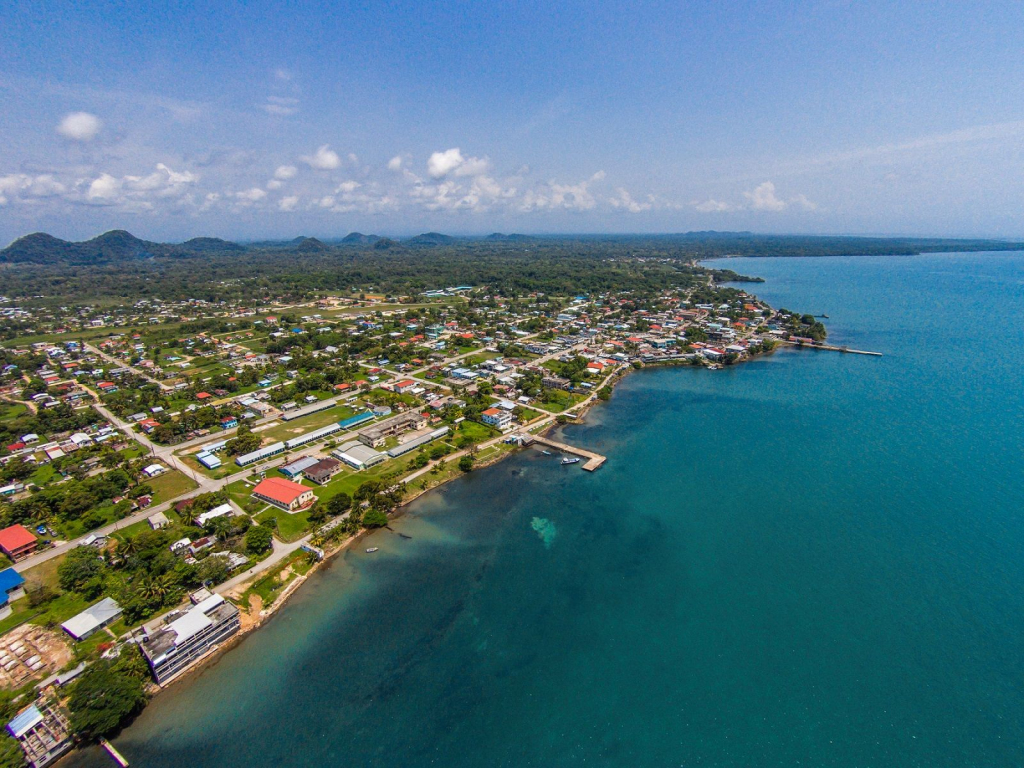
x: 289, y: 526
x: 169, y: 485
x: 289, y: 429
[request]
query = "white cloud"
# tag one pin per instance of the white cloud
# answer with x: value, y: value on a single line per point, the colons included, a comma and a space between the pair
x: 626, y: 202
x: 714, y: 206
x: 288, y: 203
x: 395, y: 163
x: 253, y: 195
x: 348, y: 186
x: 763, y: 198
x: 285, y: 172
x: 573, y: 197
x: 441, y: 164
x: 324, y: 159
x: 274, y: 184
x: 79, y: 126
x: 804, y: 203
x: 106, y: 187
x: 281, y: 105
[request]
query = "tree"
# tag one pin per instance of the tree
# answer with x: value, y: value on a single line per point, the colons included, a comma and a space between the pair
x: 105, y: 695
x: 339, y: 504
x: 466, y: 463
x: 258, y: 539
x: 374, y: 518
x: 80, y: 565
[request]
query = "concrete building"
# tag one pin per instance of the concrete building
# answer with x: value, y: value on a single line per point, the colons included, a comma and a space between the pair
x: 188, y: 636
x: 283, y: 494
x: 377, y: 434
x: 497, y: 418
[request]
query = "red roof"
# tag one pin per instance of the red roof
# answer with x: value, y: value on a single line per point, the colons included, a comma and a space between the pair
x: 280, y: 490
x: 492, y: 412
x: 16, y: 537
x: 203, y: 395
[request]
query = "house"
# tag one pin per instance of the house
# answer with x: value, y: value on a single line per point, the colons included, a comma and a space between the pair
x: 228, y: 422
x: 158, y: 521
x: 93, y: 619
x: 218, y: 511
x: 154, y: 469
x: 283, y: 494
x: 42, y: 731
x: 497, y: 418
x: 404, y: 386
x: 12, y: 587
x: 323, y: 470
x: 188, y: 636
x: 296, y: 468
x: 17, y: 542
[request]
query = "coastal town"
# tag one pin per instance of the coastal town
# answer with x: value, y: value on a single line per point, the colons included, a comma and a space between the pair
x: 171, y: 471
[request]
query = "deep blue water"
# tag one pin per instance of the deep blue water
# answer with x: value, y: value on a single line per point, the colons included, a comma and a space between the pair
x: 814, y: 559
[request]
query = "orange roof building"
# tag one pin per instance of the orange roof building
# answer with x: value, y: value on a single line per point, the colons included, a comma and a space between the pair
x: 283, y: 494
x: 17, y: 542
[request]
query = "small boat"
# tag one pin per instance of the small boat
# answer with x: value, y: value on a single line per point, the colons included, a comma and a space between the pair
x: 570, y: 461
x: 546, y: 453
x: 371, y: 550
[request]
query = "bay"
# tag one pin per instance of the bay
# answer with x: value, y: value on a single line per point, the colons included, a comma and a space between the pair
x: 811, y: 559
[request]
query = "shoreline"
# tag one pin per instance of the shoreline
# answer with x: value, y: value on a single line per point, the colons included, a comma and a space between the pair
x: 265, y: 614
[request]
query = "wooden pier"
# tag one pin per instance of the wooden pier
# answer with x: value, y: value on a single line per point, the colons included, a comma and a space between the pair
x: 831, y: 348
x: 594, y: 460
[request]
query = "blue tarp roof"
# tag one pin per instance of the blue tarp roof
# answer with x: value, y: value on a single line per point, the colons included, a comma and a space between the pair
x: 9, y: 579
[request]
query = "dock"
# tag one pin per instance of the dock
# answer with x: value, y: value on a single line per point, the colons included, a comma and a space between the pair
x: 832, y: 348
x: 118, y: 757
x: 594, y: 460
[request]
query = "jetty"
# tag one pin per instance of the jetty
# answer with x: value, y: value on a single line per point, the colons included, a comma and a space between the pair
x: 594, y: 460
x: 830, y: 348
x: 117, y: 756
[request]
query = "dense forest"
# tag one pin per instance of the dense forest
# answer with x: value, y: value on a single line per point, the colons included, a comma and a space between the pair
x: 118, y: 266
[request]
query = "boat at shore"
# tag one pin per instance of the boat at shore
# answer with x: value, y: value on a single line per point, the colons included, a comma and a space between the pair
x: 570, y: 461
x: 371, y: 550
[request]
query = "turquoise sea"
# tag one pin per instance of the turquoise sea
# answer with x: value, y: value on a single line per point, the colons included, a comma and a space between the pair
x: 814, y: 559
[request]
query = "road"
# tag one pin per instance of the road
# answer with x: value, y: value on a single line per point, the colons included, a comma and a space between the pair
x: 123, y: 364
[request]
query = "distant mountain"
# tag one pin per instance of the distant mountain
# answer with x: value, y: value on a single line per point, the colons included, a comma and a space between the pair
x: 110, y: 247
x: 358, y: 238
x: 386, y: 244
x: 210, y: 244
x: 430, y: 238
x: 498, y: 237
x: 310, y: 245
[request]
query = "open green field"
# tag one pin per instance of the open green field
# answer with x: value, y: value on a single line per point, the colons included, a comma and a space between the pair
x: 289, y: 429
x: 169, y: 485
x: 289, y: 526
x: 12, y: 410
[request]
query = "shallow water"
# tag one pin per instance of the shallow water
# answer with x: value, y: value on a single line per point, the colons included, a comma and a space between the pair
x: 811, y: 559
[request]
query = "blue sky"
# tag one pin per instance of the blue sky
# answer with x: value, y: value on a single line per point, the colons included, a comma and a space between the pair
x: 259, y: 120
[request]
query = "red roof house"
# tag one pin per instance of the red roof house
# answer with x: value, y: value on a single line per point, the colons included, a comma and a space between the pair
x: 283, y: 494
x: 17, y: 542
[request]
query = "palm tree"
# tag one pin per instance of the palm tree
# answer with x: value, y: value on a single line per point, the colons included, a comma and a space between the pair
x: 189, y: 514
